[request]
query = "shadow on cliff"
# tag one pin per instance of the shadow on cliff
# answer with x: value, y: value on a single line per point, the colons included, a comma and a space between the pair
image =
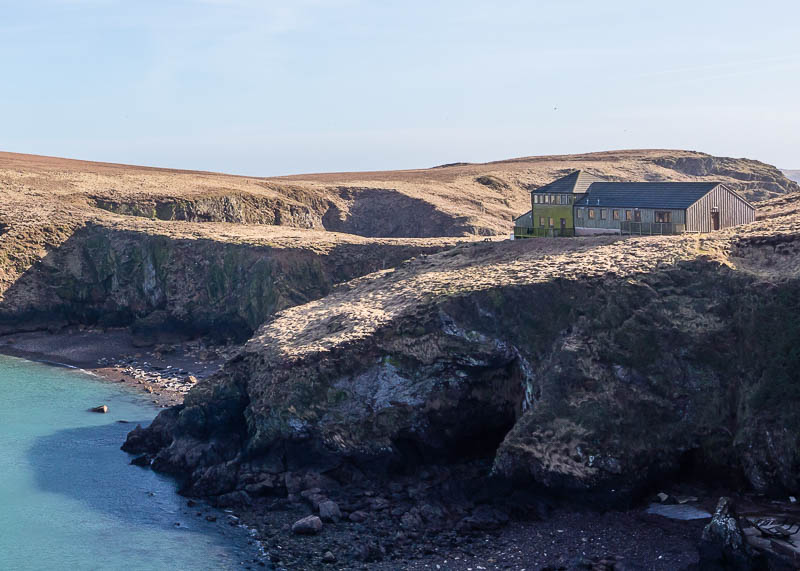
x: 387, y: 213
x: 171, y: 289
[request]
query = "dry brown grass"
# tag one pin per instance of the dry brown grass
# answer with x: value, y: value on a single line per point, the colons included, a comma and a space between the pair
x: 369, y: 303
x: 41, y: 182
x: 45, y: 199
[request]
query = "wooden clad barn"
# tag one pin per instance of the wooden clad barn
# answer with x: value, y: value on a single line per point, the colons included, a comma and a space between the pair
x: 720, y: 207
x: 659, y: 208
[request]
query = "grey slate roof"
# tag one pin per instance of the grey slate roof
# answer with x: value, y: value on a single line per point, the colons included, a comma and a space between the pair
x: 574, y: 182
x: 666, y: 195
x: 525, y: 221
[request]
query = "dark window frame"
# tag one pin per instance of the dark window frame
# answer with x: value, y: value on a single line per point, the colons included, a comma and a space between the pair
x: 663, y: 216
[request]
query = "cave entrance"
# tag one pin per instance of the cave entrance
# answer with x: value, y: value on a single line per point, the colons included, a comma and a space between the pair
x: 472, y: 428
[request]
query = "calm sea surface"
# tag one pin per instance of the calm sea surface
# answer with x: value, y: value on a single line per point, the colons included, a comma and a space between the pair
x: 69, y: 498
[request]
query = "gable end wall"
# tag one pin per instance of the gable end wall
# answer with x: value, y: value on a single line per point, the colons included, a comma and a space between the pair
x: 733, y: 210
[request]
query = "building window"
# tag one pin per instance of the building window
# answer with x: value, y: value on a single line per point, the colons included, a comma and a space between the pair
x: 563, y: 223
x: 550, y: 222
x: 591, y: 214
x: 663, y: 216
x: 615, y: 214
x: 552, y: 199
x: 564, y: 199
x: 637, y: 215
x: 603, y: 213
x: 541, y: 221
x: 579, y: 212
x: 628, y: 215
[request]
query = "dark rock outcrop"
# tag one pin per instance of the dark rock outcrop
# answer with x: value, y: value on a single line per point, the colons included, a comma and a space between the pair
x: 596, y: 388
x: 723, y: 542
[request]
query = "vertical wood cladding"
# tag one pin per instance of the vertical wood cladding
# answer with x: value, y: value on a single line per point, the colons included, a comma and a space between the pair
x: 733, y: 210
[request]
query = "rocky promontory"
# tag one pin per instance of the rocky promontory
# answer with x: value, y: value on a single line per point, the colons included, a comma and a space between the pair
x: 597, y: 369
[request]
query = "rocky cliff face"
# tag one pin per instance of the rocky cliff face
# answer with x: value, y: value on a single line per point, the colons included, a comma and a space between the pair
x: 169, y: 287
x: 595, y: 367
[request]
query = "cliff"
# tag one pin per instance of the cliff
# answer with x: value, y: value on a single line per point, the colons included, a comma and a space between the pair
x: 170, y: 283
x: 596, y: 367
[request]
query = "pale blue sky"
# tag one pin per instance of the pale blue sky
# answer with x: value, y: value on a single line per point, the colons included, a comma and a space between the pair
x: 267, y: 88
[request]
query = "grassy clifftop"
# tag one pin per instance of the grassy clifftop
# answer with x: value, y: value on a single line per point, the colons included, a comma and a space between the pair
x: 458, y: 200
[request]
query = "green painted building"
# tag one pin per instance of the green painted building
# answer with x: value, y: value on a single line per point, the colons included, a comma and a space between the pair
x: 552, y: 205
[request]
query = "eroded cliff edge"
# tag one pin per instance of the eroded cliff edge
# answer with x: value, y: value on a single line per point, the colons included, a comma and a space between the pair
x: 594, y: 367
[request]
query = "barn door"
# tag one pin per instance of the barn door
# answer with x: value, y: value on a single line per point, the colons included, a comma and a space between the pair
x: 715, y: 220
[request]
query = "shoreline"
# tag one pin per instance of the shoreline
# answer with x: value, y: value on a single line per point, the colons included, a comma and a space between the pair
x: 164, y: 373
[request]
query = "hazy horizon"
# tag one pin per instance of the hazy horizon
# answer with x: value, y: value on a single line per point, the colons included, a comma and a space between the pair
x: 265, y: 89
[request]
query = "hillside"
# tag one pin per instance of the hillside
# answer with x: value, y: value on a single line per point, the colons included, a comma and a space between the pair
x: 459, y: 200
x: 195, y: 253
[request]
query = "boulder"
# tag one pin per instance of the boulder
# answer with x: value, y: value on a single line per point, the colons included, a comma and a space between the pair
x: 484, y: 517
x: 411, y: 521
x: 310, y: 525
x: 142, y: 460
x: 329, y: 511
x: 102, y: 409
x: 723, y: 544
x: 358, y: 516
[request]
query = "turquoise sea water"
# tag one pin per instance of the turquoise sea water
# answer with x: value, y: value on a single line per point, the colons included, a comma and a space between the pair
x: 69, y: 498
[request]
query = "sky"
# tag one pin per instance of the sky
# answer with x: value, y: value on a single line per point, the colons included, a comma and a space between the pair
x: 296, y: 86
